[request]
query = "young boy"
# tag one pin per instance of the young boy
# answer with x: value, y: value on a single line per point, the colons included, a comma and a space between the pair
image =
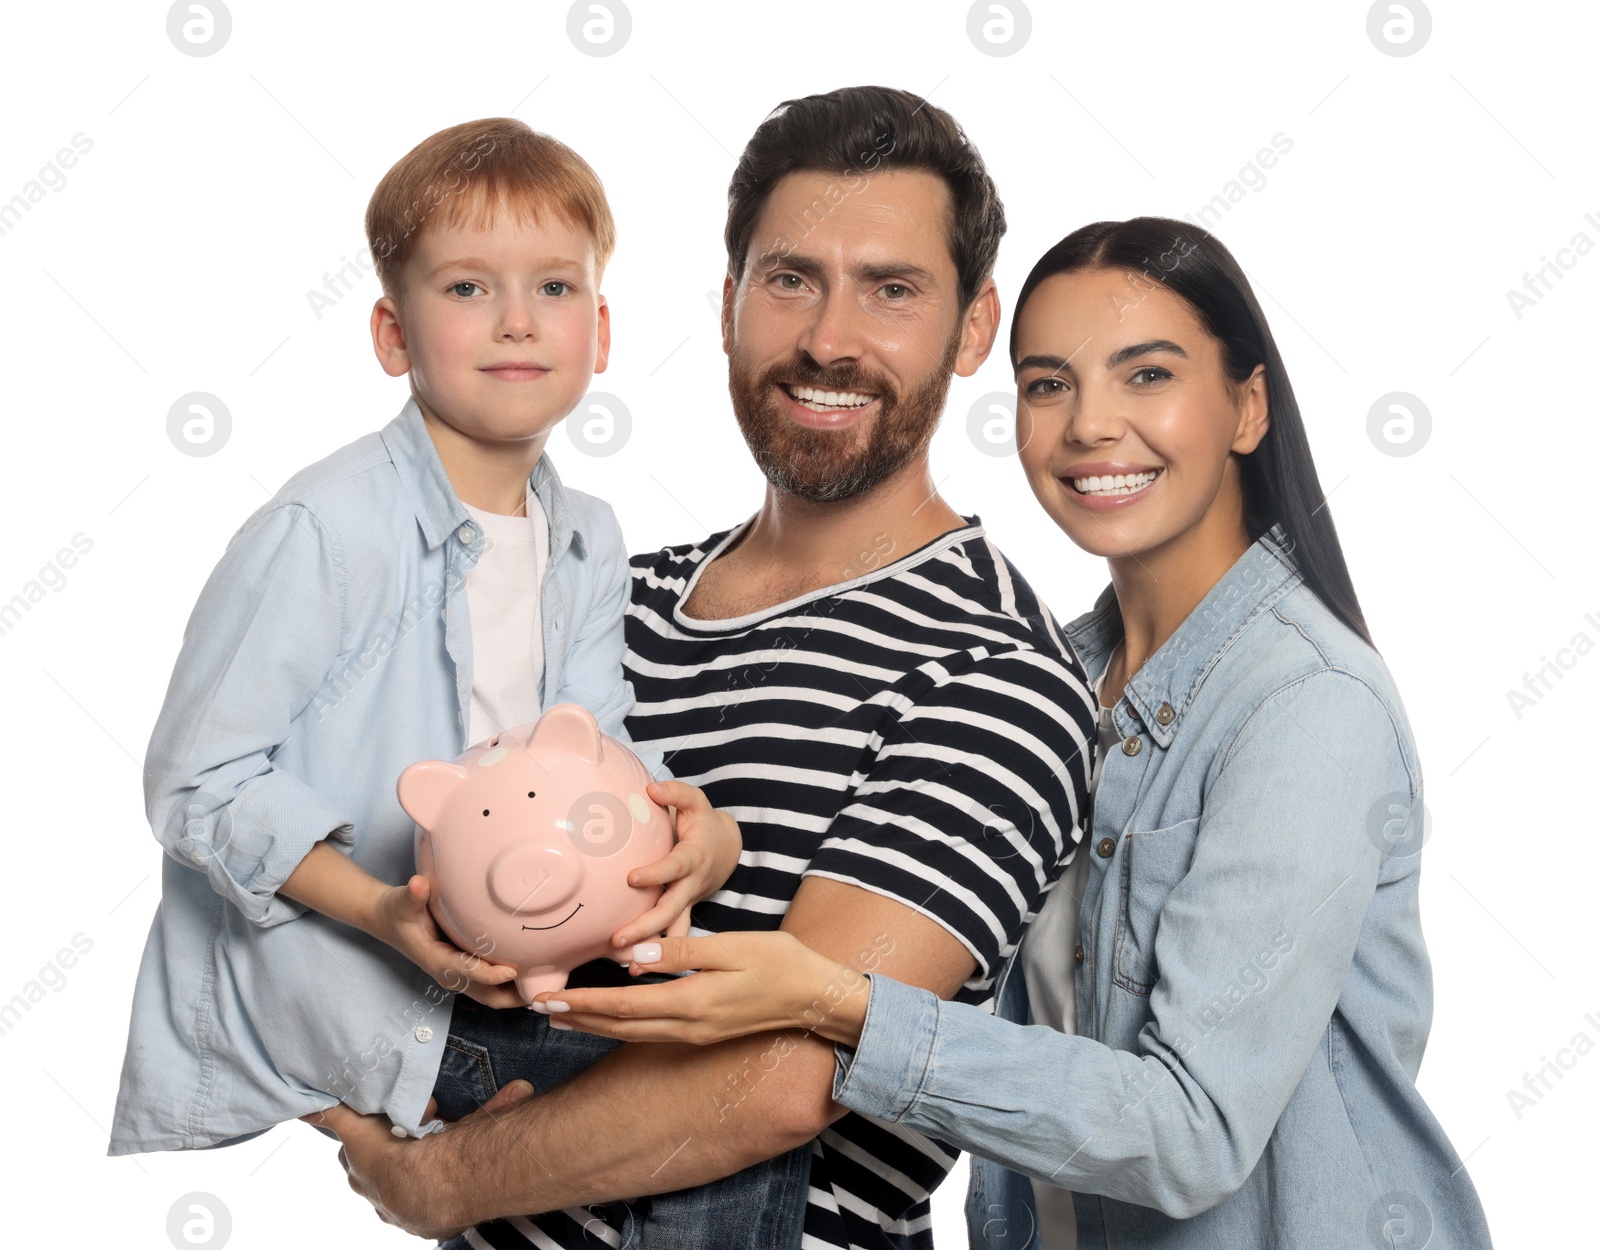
x: 416, y: 591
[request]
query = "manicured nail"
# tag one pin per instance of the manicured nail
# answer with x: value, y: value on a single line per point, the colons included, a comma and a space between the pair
x: 647, y: 952
x: 559, y: 1024
x: 542, y: 1008
x: 553, y: 1005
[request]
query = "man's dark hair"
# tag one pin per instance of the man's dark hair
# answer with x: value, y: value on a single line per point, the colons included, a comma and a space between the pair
x: 856, y: 132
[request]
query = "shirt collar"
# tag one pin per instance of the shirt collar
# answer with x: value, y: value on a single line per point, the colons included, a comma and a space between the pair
x: 1162, y: 690
x: 440, y: 513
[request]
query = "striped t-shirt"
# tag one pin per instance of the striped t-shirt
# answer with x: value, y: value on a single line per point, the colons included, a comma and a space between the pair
x: 922, y: 731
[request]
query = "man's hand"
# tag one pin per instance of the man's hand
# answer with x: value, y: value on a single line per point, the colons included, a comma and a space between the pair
x: 384, y: 1169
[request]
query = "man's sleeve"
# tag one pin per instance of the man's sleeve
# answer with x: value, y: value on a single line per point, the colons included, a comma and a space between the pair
x: 975, y: 797
x: 263, y: 637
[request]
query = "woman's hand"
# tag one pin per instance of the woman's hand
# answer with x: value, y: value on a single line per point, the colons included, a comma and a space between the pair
x: 400, y: 917
x: 748, y: 983
x: 705, y: 856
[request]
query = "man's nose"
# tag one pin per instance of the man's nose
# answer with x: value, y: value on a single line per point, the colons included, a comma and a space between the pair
x: 838, y: 329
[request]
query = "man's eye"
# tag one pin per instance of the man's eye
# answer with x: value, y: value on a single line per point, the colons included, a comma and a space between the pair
x: 464, y: 289
x: 555, y: 289
x: 896, y: 290
x: 789, y: 281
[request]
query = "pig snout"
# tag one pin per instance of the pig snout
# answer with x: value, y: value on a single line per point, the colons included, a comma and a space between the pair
x: 535, y: 880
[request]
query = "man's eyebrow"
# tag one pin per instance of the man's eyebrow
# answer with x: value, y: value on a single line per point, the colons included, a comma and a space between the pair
x: 897, y: 269
x: 1151, y: 348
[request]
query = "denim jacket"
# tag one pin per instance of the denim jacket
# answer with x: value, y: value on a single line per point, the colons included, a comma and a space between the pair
x: 1253, y: 992
x: 329, y: 649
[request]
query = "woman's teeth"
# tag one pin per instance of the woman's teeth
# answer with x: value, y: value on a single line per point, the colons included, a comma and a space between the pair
x: 828, y: 401
x: 1117, y: 484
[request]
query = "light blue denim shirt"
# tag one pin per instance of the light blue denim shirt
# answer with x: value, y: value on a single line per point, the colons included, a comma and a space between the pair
x: 1253, y: 992
x: 330, y: 648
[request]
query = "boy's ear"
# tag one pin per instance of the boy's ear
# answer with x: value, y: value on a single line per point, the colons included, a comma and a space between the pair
x: 425, y: 789
x: 603, y: 337
x: 389, y: 338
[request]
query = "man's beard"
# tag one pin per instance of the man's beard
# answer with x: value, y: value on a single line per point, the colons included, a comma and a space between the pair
x: 826, y: 466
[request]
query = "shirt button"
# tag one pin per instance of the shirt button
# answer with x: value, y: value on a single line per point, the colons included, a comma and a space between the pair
x: 1164, y: 714
x: 424, y: 1033
x: 1077, y: 955
x: 1131, y: 745
x: 465, y: 534
x: 396, y: 1130
x: 1106, y: 847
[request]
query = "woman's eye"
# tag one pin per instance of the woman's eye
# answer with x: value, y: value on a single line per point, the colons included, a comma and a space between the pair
x: 1150, y: 375
x: 555, y: 289
x: 1043, y: 388
x: 464, y: 289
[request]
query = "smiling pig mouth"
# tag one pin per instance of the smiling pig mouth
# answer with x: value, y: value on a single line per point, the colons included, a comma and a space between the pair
x: 558, y: 923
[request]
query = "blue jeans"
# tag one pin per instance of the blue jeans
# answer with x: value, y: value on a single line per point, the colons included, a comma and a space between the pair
x: 762, y: 1206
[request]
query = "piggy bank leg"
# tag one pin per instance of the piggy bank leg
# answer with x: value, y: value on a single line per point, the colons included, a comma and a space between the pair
x: 534, y: 981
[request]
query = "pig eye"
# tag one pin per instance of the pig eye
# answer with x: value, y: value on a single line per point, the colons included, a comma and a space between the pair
x: 530, y: 794
x: 486, y: 811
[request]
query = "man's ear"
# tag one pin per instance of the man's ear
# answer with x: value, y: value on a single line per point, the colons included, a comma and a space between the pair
x: 603, y: 336
x: 1254, y: 418
x: 728, y: 289
x: 389, y: 338
x: 980, y: 322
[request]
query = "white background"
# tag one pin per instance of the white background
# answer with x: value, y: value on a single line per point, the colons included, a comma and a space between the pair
x: 219, y: 190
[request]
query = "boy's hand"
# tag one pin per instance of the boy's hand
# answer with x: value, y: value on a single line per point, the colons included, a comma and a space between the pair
x: 704, y: 858
x: 402, y: 919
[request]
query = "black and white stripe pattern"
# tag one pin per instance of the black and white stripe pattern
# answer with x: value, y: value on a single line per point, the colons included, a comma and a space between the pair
x: 922, y: 731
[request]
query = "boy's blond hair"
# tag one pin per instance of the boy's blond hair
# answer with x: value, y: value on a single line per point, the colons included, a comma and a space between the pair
x: 463, y: 173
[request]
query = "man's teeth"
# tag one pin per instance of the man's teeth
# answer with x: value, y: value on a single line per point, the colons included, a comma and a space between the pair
x: 828, y: 401
x: 1117, y: 484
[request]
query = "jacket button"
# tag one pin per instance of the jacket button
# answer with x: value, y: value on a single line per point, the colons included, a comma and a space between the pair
x: 1164, y: 714
x: 1077, y: 955
x: 1131, y: 745
x: 1106, y: 848
x: 424, y: 1033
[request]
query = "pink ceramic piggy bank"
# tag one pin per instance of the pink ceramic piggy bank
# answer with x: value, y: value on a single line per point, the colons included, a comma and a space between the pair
x: 527, y: 841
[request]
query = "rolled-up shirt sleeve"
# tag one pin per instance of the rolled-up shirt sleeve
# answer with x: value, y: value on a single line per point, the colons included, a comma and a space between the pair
x: 261, y: 643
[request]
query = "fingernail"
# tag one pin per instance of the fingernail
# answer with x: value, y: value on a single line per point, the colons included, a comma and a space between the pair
x: 647, y: 952
x: 552, y: 1005
x: 542, y: 1008
x: 559, y: 1024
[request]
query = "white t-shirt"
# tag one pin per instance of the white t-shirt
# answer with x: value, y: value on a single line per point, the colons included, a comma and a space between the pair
x: 1048, y: 964
x: 503, y: 594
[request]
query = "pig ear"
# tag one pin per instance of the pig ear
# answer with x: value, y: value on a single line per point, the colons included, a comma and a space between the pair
x: 568, y: 729
x: 425, y: 788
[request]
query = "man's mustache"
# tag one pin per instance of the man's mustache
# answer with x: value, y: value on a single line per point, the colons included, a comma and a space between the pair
x: 803, y: 371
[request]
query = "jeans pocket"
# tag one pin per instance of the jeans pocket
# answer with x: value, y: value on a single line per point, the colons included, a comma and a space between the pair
x: 466, y: 1078
x: 1153, y: 863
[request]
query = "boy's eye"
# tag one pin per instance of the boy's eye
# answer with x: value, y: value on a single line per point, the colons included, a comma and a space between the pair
x: 555, y: 289
x: 464, y: 289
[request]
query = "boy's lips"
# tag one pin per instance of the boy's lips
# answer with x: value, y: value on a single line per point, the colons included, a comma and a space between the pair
x: 516, y: 371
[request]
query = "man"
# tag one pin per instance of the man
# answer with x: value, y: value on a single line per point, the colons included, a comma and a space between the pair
x: 856, y: 674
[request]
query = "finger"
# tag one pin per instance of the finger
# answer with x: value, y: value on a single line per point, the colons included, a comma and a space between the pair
x: 506, y: 1097
x: 481, y: 970
x: 678, y: 794
x: 654, y: 1029
x: 673, y: 866
x: 631, y: 1002
x: 496, y: 996
x: 680, y: 926
x: 674, y: 902
x: 431, y: 1110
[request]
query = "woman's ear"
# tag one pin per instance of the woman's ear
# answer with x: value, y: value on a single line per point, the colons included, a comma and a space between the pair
x: 1254, y: 418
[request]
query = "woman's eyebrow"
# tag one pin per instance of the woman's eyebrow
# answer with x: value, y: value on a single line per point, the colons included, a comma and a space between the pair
x: 1123, y: 354
x: 1053, y: 363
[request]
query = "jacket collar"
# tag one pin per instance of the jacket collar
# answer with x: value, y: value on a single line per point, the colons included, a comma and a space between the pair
x: 439, y: 512
x: 1162, y: 690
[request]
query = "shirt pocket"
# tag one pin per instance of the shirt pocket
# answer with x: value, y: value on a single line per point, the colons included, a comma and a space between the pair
x: 1153, y: 863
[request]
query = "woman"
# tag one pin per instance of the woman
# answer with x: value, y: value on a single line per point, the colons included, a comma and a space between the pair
x: 1247, y: 978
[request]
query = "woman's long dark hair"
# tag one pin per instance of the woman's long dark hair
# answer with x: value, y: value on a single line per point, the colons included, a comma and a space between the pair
x: 1279, y: 480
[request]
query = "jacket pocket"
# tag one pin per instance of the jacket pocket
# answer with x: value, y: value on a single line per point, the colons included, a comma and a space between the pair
x: 1153, y: 863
